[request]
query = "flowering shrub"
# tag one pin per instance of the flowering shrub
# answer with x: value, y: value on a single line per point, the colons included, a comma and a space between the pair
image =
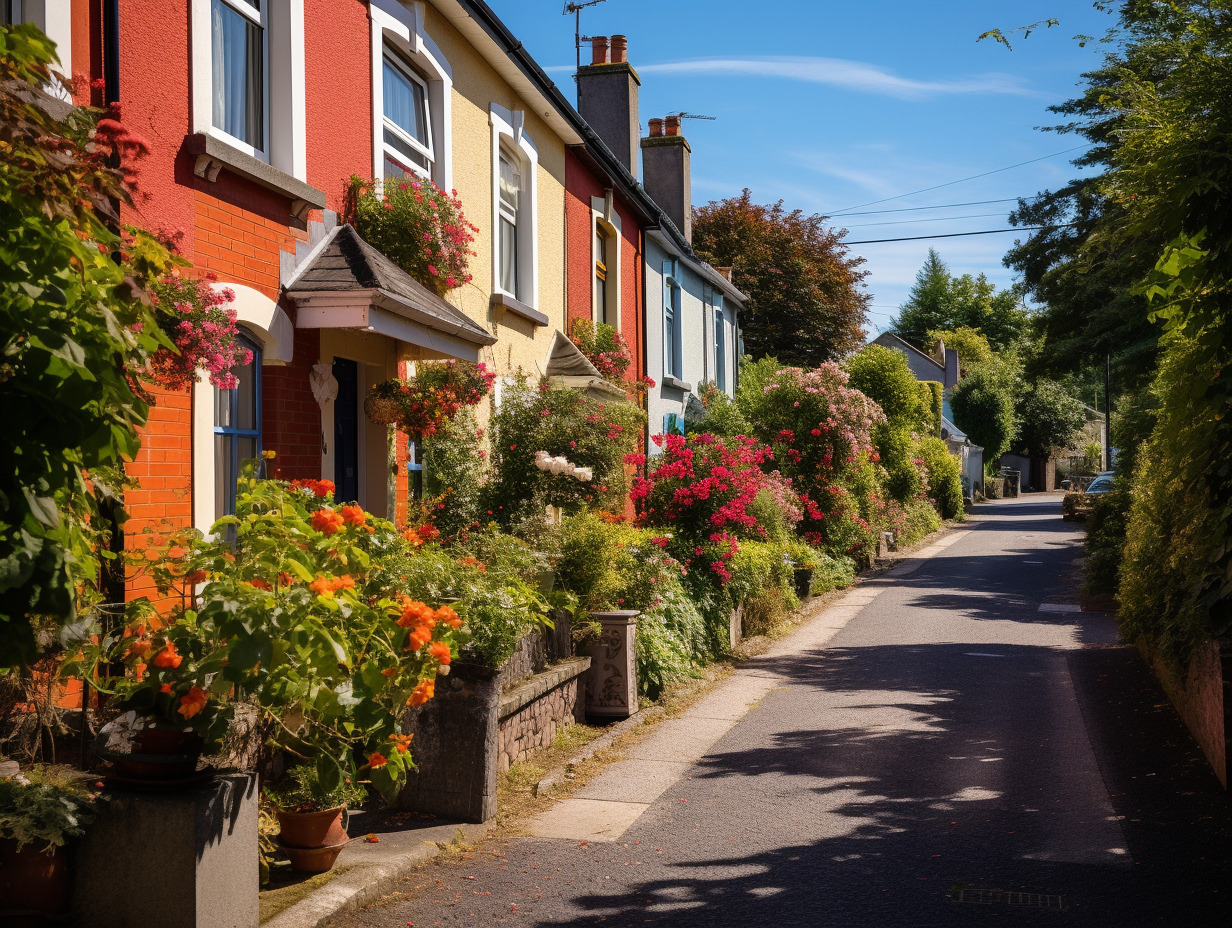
x: 714, y: 413
x: 591, y: 434
x: 701, y: 488
x: 296, y: 616
x: 201, y: 324
x: 455, y: 469
x: 821, y: 432
x: 603, y: 346
x: 431, y: 396
x: 416, y: 225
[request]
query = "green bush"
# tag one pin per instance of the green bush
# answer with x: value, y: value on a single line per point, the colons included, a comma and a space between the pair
x: 716, y: 413
x: 983, y: 405
x: 672, y: 640
x: 832, y: 573
x: 896, y: 446
x: 935, y: 400
x: 882, y: 374
x: 944, y: 477
x: 1105, y: 542
x: 563, y: 422
x: 763, y: 580
x: 454, y: 468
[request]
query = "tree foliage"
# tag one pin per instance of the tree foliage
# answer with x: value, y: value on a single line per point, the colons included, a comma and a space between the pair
x: 983, y: 405
x: 938, y: 300
x: 74, y: 326
x: 1049, y: 418
x: 806, y: 299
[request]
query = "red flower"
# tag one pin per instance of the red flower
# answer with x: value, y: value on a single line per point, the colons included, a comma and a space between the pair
x: 167, y: 657
x: 192, y: 702
x: 377, y: 759
x: 353, y: 515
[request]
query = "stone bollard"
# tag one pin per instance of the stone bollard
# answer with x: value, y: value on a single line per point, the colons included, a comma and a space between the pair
x: 182, y: 859
x: 611, y: 684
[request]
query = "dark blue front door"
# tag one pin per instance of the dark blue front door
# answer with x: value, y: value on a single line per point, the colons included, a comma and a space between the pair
x: 346, y: 431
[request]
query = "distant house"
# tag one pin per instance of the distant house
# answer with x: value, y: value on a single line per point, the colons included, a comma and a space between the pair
x: 943, y: 366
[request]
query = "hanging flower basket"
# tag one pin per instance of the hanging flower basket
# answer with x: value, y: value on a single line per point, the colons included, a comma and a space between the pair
x: 383, y: 410
x: 420, y: 404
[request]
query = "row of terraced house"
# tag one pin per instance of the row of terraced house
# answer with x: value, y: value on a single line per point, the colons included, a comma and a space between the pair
x: 258, y: 112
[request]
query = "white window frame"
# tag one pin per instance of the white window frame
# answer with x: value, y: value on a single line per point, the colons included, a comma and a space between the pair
x: 719, y: 346
x: 389, y: 152
x: 55, y: 19
x: 284, y: 121
x: 604, y: 216
x: 398, y: 30
x: 673, y: 305
x: 508, y: 134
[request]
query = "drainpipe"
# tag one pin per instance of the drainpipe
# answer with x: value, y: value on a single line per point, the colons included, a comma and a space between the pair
x: 111, y: 52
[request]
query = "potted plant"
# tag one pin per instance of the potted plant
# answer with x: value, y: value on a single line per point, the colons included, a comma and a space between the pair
x: 312, y: 829
x: 41, y: 810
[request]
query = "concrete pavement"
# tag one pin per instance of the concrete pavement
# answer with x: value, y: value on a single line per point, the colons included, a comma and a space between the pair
x: 948, y: 743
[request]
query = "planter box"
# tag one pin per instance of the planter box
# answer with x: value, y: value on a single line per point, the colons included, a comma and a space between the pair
x: 183, y: 859
x: 1204, y: 700
x: 611, y: 685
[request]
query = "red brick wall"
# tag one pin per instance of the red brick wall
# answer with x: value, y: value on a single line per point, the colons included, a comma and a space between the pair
x: 291, y: 418
x: 580, y: 186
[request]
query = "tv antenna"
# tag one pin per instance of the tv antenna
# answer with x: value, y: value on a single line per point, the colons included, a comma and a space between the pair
x: 576, y: 9
x: 683, y: 115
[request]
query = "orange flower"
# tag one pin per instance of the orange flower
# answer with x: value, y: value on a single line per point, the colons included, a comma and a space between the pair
x: 377, y: 759
x: 192, y: 702
x: 402, y: 743
x: 140, y: 669
x: 167, y: 657
x: 165, y: 688
x: 413, y: 537
x: 285, y: 579
x: 326, y: 521
x: 390, y: 672
x: 440, y: 650
x: 448, y: 616
x: 353, y: 515
x: 416, y: 613
x: 322, y: 586
x: 259, y: 583
x: 140, y: 647
x: 197, y: 576
x: 420, y: 636
x: 345, y: 582
x: 422, y: 693
x: 472, y: 562
x: 429, y: 532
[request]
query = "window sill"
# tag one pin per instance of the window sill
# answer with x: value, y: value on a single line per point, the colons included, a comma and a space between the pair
x: 676, y: 383
x: 213, y: 154
x: 518, y: 308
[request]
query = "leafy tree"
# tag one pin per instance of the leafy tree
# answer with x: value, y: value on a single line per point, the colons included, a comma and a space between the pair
x: 971, y: 344
x: 882, y: 374
x: 983, y: 405
x: 806, y: 299
x: 1049, y: 418
x: 74, y: 325
x: 939, y: 301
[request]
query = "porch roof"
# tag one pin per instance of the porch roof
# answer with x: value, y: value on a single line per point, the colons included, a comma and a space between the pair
x: 346, y: 283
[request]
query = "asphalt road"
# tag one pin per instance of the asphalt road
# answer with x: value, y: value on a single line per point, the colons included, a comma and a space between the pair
x: 951, y: 737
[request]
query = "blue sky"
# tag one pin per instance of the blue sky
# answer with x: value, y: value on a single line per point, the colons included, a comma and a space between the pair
x: 831, y: 105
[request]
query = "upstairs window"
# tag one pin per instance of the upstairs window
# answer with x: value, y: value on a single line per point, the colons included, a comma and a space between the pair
x: 238, y: 36
x: 671, y: 320
x: 601, y: 259
x: 407, y: 128
x: 510, y: 189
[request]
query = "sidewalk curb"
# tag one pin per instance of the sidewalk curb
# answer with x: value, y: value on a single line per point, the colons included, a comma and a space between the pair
x: 606, y: 740
x: 362, y: 884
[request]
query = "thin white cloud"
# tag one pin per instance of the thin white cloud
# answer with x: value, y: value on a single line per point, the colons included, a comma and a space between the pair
x: 840, y: 72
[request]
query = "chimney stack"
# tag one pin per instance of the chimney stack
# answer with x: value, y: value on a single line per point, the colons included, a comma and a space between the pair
x: 666, y: 169
x: 607, y: 97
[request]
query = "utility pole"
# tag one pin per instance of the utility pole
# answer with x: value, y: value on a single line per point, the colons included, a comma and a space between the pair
x: 1107, y: 413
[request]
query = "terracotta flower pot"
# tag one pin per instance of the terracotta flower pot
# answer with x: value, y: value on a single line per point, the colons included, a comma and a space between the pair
x: 314, y: 859
x: 33, y: 885
x: 312, y: 829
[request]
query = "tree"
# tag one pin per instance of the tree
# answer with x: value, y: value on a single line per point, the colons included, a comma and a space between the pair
x: 972, y: 346
x: 806, y: 304
x: 983, y: 405
x: 74, y: 327
x: 938, y: 301
x: 1049, y: 418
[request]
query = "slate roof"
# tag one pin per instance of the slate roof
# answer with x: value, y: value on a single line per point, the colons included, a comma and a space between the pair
x: 346, y: 263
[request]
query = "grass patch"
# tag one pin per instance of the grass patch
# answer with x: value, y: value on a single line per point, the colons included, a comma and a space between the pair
x: 288, y: 887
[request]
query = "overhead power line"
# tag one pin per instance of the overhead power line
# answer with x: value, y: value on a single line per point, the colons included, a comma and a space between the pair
x: 961, y: 180
x: 908, y: 222
x: 916, y: 209
x: 917, y: 238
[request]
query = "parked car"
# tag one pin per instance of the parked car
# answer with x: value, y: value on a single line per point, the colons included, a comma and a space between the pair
x: 1078, y: 505
x: 1101, y: 484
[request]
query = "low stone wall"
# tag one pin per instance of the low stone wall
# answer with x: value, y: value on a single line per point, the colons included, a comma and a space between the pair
x: 531, y: 712
x: 1203, y: 700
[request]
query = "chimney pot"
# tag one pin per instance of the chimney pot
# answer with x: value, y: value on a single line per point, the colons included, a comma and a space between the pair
x: 671, y: 125
x: 656, y: 128
x: 620, y: 49
x: 599, y: 50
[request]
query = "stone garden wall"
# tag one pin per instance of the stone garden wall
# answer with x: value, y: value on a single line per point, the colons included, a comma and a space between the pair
x: 1203, y: 701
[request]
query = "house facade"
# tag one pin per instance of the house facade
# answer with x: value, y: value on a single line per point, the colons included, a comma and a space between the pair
x: 257, y: 115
